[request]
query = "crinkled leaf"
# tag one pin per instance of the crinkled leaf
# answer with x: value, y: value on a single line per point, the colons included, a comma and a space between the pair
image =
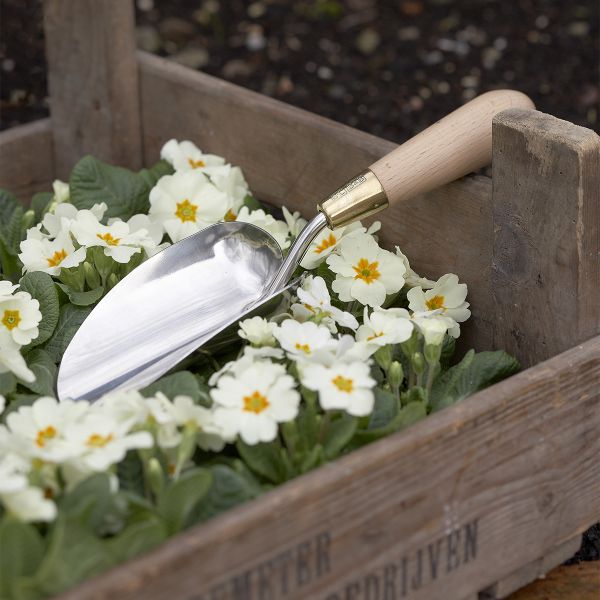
x: 70, y: 319
x: 137, y: 538
x: 41, y: 287
x: 44, y: 369
x: 124, y: 192
x: 155, y: 172
x: 175, y: 384
x: 11, y: 215
x: 448, y: 348
x: 177, y: 503
x: 265, y: 459
x: 338, y: 435
x: 473, y: 373
x: 229, y: 489
x: 251, y: 203
x: 130, y: 472
x: 40, y: 203
x: 8, y: 383
x: 86, y: 298
x: 385, y: 409
x: 21, y: 551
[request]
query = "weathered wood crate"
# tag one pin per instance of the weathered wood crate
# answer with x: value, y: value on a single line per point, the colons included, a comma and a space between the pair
x: 476, y: 500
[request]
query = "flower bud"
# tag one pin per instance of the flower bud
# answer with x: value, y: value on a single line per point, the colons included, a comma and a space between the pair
x: 418, y: 363
x: 156, y: 476
x: 433, y: 353
x: 395, y: 374
x: 383, y: 357
x: 112, y: 280
x: 91, y: 276
x: 27, y: 219
x: 187, y: 446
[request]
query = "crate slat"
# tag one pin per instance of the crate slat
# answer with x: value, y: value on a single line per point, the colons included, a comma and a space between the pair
x: 457, y: 502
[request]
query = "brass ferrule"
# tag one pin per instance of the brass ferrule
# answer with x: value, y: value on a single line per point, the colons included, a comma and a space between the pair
x: 360, y: 197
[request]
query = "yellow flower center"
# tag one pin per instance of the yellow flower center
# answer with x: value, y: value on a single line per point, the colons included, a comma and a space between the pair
x: 196, y: 164
x: 303, y: 347
x: 186, y: 211
x: 109, y: 239
x: 435, y: 303
x: 57, y: 258
x: 366, y: 271
x: 43, y: 435
x: 11, y: 319
x: 375, y: 335
x: 99, y: 441
x: 230, y: 216
x: 255, y: 403
x: 343, y: 384
x: 326, y: 243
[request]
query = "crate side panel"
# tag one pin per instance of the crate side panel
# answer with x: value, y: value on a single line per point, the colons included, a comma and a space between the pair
x: 292, y: 157
x: 27, y: 159
x: 445, y: 509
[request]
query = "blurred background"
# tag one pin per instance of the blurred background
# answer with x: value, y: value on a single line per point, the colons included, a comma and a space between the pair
x: 389, y: 67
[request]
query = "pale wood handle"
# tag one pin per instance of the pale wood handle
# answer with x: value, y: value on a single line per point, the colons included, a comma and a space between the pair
x: 454, y: 146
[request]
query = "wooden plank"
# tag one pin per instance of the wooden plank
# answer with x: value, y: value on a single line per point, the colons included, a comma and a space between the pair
x: 441, y: 510
x: 532, y: 571
x: 27, y: 159
x: 293, y: 157
x: 93, y: 82
x: 546, y: 272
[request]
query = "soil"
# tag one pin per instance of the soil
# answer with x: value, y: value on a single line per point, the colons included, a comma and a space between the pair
x: 387, y: 67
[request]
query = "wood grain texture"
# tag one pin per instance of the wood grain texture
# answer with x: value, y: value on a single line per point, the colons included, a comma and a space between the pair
x: 546, y: 265
x: 455, y: 146
x: 93, y: 82
x: 292, y: 157
x: 27, y: 159
x: 456, y: 502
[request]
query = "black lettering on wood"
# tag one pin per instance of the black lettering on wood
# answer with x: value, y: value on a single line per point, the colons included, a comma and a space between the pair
x: 404, y: 586
x: 303, y: 574
x: 242, y: 587
x: 433, y: 550
x: 332, y: 597
x: 219, y: 592
x: 452, y: 542
x: 265, y: 578
x: 353, y: 590
x: 471, y: 540
x: 417, y: 579
x: 323, y: 561
x: 389, y: 582
x: 371, y: 587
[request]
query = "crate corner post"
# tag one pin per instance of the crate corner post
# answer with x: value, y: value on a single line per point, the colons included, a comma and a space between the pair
x: 546, y: 219
x: 93, y: 82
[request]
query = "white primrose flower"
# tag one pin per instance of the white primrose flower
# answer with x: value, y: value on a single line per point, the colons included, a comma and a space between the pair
x: 19, y: 317
x: 385, y: 326
x: 365, y: 272
x: 446, y: 295
x: 326, y: 242
x: 11, y: 360
x: 411, y: 279
x: 2, y: 403
x: 162, y: 421
x: 61, y: 191
x: 258, y: 331
x: 38, y: 431
x: 315, y: 302
x: 152, y: 231
x: 294, y: 221
x: 186, y: 156
x: 253, y: 403
x: 117, y: 239
x: 230, y: 180
x: 249, y: 356
x: 29, y: 504
x: 185, y: 203
x: 434, y: 325
x: 64, y: 215
x: 278, y: 229
x: 345, y: 386
x: 101, y: 440
x: 304, y: 341
x: 50, y: 256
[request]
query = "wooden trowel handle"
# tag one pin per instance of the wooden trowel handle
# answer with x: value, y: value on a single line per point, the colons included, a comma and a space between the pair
x: 451, y: 148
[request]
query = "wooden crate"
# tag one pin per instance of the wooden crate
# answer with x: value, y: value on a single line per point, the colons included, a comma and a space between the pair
x: 476, y: 500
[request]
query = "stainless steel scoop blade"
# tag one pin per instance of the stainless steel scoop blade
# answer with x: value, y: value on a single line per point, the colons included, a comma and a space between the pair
x: 184, y: 296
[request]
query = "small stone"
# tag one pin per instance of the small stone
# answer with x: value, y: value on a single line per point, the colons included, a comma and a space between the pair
x: 412, y: 7
x: 443, y: 87
x: 147, y: 38
x: 500, y: 44
x: 469, y: 81
x: 425, y: 93
x: 415, y: 103
x: 489, y: 57
x: 256, y: 9
x: 293, y: 43
x: 235, y: 68
x: 578, y: 28
x: 285, y: 86
x: 310, y: 67
x: 176, y: 30
x: 434, y: 57
x: 542, y: 22
x: 324, y: 73
x: 533, y: 37
x: 145, y: 5
x: 409, y: 34
x: 469, y: 94
x: 255, y: 39
x: 337, y: 91
x: 8, y: 64
x: 195, y: 58
x: 367, y: 41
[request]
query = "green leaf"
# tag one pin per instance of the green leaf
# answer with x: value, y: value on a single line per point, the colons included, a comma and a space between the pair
x: 182, y: 496
x: 448, y: 348
x: 252, y: 203
x: 8, y: 383
x: 130, y: 472
x: 136, y: 539
x: 45, y: 372
x: 338, y: 435
x: 229, y: 489
x: 124, y: 192
x: 86, y: 298
x: 153, y: 174
x: 40, y: 203
x: 175, y: 384
x: 70, y: 319
x: 41, y: 287
x: 11, y: 215
x: 21, y: 551
x: 473, y: 373
x: 264, y: 459
x: 385, y: 409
